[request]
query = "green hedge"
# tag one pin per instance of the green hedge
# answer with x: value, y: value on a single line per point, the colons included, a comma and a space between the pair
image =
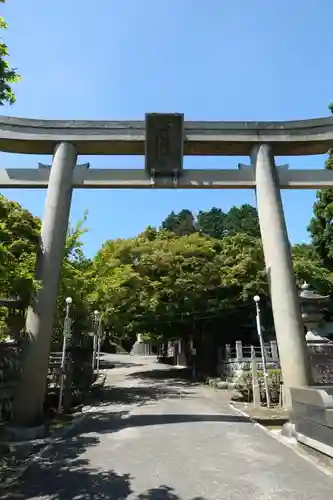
x: 244, y: 385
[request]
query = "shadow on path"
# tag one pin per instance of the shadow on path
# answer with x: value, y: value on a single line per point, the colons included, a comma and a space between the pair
x: 63, y: 474
x: 64, y: 471
x: 136, y: 395
x: 166, y: 374
x: 162, y: 493
x: 105, y: 364
x: 104, y: 422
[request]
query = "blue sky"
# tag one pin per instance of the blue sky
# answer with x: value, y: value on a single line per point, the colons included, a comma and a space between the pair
x: 212, y: 60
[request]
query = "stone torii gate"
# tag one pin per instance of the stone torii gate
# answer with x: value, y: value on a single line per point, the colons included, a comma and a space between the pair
x: 163, y: 139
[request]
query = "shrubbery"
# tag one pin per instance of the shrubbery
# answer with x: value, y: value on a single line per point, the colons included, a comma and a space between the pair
x: 244, y: 386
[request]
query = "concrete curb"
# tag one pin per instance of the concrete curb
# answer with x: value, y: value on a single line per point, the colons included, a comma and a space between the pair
x: 49, y: 442
x: 282, y: 440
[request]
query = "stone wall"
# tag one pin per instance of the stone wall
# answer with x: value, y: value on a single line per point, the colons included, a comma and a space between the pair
x: 321, y: 359
x: 237, y: 359
x: 233, y: 370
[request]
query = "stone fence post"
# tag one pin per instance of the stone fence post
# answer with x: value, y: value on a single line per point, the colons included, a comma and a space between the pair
x: 239, y: 350
x: 227, y: 352
x: 274, y: 350
x: 255, y: 382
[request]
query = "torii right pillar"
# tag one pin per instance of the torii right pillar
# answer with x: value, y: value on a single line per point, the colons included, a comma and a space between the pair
x: 288, y: 323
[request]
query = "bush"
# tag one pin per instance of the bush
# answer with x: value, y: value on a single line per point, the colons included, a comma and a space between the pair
x: 244, y: 386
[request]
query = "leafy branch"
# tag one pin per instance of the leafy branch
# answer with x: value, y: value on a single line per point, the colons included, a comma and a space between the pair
x: 8, y: 75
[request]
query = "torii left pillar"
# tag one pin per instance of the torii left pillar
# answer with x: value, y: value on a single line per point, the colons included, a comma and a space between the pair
x: 29, y: 399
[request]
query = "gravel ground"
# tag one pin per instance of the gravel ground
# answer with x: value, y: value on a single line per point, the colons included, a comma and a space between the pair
x: 155, y: 436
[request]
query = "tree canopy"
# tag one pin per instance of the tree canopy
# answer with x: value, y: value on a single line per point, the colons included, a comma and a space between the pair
x: 321, y: 224
x: 190, y: 277
x: 19, y: 239
x: 19, y: 234
x: 214, y: 222
x: 217, y: 224
x: 8, y: 75
x: 180, y: 224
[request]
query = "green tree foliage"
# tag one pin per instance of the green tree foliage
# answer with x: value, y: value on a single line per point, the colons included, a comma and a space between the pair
x: 212, y: 223
x: 321, y: 224
x: 19, y: 235
x: 165, y: 285
x: 243, y: 219
x: 19, y: 239
x: 308, y: 267
x: 73, y: 283
x: 217, y: 224
x: 181, y: 223
x: 162, y: 283
x: 8, y: 75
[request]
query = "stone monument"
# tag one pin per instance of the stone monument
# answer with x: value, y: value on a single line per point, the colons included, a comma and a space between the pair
x: 140, y: 346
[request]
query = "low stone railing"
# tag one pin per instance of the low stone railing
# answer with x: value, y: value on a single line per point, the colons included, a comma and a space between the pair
x: 241, y: 352
x: 237, y: 359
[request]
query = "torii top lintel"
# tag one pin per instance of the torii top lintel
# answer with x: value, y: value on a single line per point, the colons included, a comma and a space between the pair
x: 202, y: 138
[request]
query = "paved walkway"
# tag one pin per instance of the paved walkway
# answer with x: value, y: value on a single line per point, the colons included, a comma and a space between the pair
x: 154, y: 437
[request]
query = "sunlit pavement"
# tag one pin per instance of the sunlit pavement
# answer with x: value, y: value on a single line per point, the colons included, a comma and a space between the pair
x: 155, y: 436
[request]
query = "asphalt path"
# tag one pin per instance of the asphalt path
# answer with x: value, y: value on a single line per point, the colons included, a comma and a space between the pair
x: 155, y: 436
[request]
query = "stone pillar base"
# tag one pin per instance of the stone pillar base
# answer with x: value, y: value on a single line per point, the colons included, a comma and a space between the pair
x: 312, y: 415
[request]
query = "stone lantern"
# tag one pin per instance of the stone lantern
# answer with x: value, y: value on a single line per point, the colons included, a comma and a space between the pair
x: 320, y: 348
x: 141, y: 347
x: 313, y: 306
